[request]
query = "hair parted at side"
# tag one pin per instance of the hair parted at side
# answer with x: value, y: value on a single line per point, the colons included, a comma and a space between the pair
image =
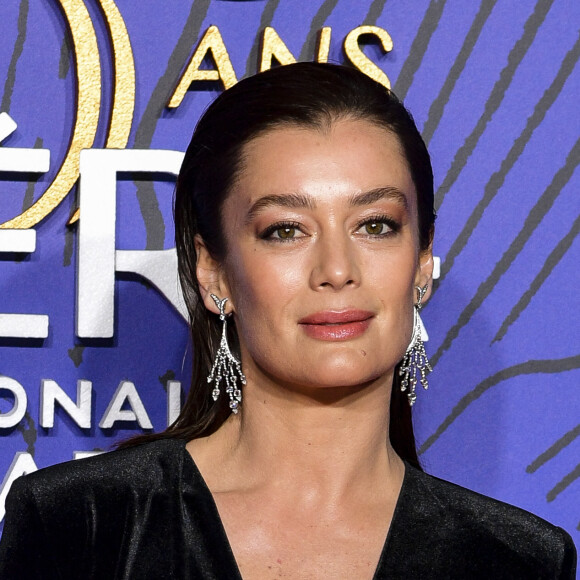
x: 302, y: 94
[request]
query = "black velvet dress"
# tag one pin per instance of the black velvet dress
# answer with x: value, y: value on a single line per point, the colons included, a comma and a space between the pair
x: 146, y: 512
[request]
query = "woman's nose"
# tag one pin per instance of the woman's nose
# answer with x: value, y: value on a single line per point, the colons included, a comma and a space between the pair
x: 335, y: 264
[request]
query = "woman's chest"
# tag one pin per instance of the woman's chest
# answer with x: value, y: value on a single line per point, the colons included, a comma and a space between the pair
x: 272, y: 541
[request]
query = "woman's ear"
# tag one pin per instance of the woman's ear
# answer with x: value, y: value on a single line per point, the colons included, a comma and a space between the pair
x: 209, y: 276
x: 424, y: 274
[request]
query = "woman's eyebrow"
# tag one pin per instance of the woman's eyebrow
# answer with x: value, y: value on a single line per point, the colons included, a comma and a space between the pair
x: 369, y: 197
x: 293, y: 200
x: 300, y: 201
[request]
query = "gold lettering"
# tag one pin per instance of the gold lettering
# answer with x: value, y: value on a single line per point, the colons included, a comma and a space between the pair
x: 273, y: 47
x: 123, y: 104
x: 359, y: 59
x: 124, y: 92
x: 212, y: 41
x: 323, y: 44
x: 88, y: 69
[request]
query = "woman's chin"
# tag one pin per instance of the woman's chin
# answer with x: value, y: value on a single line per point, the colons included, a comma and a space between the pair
x: 346, y: 373
x: 346, y: 370
x: 344, y: 380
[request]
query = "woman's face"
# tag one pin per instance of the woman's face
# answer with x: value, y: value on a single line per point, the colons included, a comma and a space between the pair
x: 322, y: 256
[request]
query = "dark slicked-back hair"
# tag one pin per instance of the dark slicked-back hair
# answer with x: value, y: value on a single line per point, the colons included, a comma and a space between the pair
x: 310, y: 95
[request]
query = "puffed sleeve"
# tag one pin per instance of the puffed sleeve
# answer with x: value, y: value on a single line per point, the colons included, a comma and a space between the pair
x: 24, y: 551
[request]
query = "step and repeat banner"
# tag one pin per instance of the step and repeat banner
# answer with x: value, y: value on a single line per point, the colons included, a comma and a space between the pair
x: 98, y: 100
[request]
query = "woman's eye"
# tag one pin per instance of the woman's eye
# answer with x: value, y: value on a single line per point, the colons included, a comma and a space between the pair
x: 282, y: 232
x: 285, y: 233
x: 376, y: 227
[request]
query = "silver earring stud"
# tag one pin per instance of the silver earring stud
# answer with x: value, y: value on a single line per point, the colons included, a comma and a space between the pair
x: 415, y: 361
x: 226, y: 366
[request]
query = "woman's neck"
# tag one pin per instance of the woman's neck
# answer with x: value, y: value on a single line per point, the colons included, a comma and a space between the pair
x: 331, y: 443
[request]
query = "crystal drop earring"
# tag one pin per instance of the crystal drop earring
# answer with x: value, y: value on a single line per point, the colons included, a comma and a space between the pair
x: 226, y: 366
x: 415, y: 361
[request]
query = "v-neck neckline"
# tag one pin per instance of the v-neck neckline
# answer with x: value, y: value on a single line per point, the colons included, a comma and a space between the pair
x: 211, y: 505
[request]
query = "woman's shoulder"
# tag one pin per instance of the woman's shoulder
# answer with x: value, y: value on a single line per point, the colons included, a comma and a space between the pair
x: 478, y: 527
x: 85, y: 518
x: 463, y: 503
x: 131, y: 468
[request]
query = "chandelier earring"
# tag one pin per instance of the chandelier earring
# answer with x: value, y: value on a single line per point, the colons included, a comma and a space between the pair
x: 415, y: 365
x: 226, y: 366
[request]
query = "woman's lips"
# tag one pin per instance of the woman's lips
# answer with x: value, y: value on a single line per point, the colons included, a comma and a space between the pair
x: 336, y: 325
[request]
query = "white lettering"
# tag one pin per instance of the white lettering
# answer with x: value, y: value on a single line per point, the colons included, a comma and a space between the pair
x: 85, y: 454
x: 97, y: 258
x: 16, y: 414
x: 80, y: 412
x: 126, y: 391
x: 173, y: 401
x: 21, y: 325
x: 21, y: 161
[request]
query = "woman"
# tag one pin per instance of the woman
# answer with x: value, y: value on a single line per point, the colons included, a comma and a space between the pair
x: 304, y: 225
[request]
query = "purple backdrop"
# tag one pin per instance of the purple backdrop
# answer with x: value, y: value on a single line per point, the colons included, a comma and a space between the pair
x: 493, y: 85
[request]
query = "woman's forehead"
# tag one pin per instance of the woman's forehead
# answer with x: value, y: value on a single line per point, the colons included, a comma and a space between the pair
x: 350, y: 157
